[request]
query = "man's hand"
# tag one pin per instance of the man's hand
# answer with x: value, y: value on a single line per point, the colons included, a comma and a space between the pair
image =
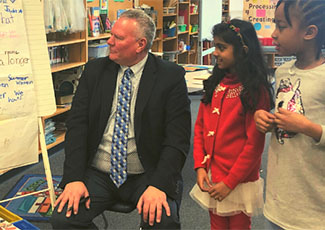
x: 72, y: 194
x: 202, y: 179
x: 219, y: 191
x: 264, y: 120
x: 151, y: 202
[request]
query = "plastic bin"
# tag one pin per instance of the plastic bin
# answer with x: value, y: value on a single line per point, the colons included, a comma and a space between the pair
x: 171, y: 32
x: 182, y: 28
x: 171, y: 10
x: 169, y: 56
x: 97, y: 50
x: 194, y: 28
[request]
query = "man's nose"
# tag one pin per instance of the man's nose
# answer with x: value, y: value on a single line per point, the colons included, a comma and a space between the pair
x: 110, y: 41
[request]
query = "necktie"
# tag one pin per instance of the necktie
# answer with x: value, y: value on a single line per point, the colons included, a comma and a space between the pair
x: 121, y: 131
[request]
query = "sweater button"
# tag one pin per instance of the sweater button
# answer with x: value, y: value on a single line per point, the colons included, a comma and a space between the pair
x: 211, y: 133
x: 216, y: 110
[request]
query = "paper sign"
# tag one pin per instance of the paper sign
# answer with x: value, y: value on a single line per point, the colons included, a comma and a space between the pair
x: 261, y: 14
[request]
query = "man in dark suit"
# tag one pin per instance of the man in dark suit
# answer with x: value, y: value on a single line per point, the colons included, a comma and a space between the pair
x: 155, y: 135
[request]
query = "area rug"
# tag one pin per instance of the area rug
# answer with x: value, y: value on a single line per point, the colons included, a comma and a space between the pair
x: 35, y: 207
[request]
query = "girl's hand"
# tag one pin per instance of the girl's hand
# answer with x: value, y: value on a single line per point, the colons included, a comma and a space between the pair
x: 298, y: 123
x: 202, y: 179
x: 264, y: 120
x: 290, y: 121
x: 219, y: 191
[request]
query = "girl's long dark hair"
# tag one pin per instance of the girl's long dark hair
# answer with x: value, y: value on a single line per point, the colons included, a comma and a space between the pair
x: 250, y: 66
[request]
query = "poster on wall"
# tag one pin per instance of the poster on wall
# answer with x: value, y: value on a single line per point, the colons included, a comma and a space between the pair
x: 261, y: 14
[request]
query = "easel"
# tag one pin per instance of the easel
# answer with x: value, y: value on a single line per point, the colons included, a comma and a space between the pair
x: 47, y: 168
x: 42, y: 81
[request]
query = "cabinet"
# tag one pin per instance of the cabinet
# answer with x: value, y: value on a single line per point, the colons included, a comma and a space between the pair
x: 180, y: 44
x: 157, y: 46
x: 76, y: 47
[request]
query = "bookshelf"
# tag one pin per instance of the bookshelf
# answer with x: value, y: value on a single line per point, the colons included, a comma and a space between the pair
x: 157, y: 5
x: 181, y: 46
x: 76, y: 45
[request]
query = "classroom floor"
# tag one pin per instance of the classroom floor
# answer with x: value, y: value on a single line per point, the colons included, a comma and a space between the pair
x: 192, y: 215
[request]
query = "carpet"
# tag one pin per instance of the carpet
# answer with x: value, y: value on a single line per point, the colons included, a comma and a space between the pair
x: 35, y: 207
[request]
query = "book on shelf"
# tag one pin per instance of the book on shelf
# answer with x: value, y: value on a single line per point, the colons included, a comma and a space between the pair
x: 94, y: 21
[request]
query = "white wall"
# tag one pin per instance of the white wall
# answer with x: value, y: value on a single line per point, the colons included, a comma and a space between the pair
x: 211, y: 15
x: 236, y: 8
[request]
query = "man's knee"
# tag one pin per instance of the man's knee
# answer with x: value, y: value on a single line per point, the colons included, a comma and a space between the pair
x: 59, y: 220
x: 167, y: 222
x: 79, y: 221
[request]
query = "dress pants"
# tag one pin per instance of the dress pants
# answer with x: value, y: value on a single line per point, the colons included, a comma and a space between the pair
x: 104, y: 193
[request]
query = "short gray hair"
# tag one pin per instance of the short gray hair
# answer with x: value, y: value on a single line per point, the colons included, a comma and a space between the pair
x: 146, y: 24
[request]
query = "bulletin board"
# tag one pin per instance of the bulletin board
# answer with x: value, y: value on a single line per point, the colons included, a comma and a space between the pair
x: 261, y: 14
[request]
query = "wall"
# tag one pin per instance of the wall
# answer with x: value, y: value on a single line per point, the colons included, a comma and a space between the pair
x: 211, y: 15
x: 236, y: 8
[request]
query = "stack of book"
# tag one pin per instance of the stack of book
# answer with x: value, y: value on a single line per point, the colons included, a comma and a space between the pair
x: 58, y: 54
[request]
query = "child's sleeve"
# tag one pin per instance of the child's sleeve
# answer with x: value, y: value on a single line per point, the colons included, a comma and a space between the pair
x: 322, y: 138
x: 198, y: 143
x: 250, y: 157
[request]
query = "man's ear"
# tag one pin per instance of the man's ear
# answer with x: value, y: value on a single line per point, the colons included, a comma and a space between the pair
x: 311, y: 32
x: 142, y: 43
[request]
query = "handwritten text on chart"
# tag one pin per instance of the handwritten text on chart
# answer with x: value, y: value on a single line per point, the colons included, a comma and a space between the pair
x: 8, y: 34
x: 12, y: 93
x: 7, y: 16
x: 7, y: 1
x: 13, y: 57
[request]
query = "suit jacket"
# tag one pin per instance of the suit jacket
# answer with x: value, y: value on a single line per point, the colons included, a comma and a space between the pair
x: 162, y: 121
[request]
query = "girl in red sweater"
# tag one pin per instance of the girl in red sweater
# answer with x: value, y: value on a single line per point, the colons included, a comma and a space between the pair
x: 227, y: 146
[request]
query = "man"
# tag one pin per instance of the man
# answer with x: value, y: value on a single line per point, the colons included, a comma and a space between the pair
x: 149, y: 126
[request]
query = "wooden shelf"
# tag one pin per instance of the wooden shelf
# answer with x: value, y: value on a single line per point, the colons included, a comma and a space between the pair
x: 183, y: 10
x: 169, y: 15
x: 169, y: 38
x: 58, y: 112
x: 66, y: 42
x: 185, y: 32
x: 183, y: 52
x: 101, y: 36
x: 59, y: 135
x: 194, y: 33
x: 65, y: 66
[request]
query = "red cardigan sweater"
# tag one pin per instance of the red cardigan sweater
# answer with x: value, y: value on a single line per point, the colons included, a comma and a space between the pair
x: 226, y: 139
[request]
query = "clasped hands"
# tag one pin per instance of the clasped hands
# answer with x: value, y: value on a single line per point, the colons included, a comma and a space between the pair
x: 150, y: 204
x: 283, y: 119
x: 219, y: 191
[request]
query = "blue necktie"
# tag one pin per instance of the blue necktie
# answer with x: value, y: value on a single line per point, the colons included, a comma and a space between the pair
x: 121, y: 131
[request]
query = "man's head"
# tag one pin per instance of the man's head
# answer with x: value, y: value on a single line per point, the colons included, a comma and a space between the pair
x: 132, y: 37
